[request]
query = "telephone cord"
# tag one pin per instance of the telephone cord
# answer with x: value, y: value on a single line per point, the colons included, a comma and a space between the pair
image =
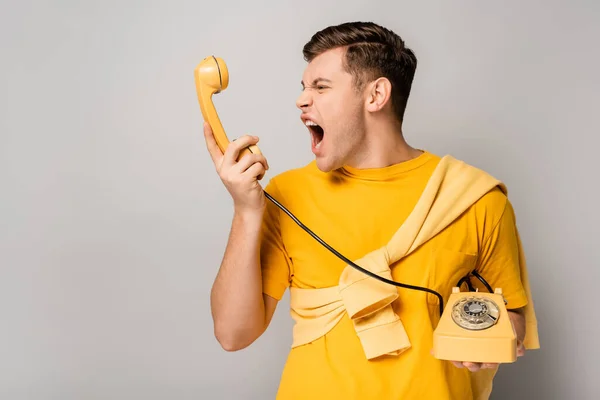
x: 346, y: 260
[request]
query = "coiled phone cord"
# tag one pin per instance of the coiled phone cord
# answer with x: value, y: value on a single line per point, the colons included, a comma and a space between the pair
x: 371, y: 274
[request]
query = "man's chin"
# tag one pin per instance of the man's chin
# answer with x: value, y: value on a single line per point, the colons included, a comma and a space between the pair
x: 326, y: 165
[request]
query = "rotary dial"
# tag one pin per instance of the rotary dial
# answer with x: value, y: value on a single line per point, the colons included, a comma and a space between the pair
x: 475, y: 313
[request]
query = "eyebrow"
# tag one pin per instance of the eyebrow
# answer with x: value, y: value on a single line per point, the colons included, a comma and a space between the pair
x: 317, y: 80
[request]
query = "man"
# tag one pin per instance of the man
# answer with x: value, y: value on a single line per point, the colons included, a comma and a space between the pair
x: 364, y: 182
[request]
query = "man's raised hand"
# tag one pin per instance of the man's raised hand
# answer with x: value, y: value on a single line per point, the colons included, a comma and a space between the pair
x: 239, y: 177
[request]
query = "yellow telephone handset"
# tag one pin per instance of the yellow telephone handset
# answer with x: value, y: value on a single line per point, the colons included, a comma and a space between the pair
x: 212, y: 77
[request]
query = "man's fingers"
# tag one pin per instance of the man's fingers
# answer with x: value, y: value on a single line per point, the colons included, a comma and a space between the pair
x: 473, y: 367
x: 250, y: 159
x: 213, y: 149
x: 256, y: 170
x: 234, y: 148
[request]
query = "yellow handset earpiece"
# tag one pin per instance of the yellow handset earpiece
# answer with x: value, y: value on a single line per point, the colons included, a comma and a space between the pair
x: 212, y: 77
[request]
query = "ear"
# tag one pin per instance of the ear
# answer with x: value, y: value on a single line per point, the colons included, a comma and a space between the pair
x: 379, y: 93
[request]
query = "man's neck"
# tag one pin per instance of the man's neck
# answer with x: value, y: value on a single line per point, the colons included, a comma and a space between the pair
x: 385, y: 146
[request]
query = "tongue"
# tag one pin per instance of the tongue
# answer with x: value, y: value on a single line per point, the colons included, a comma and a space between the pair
x: 317, y: 133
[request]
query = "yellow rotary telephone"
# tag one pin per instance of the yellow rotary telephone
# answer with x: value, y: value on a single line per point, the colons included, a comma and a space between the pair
x: 474, y: 326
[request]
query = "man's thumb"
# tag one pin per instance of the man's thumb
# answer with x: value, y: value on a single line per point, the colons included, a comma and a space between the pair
x: 520, y: 349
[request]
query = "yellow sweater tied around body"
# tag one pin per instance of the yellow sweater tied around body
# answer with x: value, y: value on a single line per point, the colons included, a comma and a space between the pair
x: 453, y: 187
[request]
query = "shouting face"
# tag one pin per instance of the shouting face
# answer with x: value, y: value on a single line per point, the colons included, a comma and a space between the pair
x: 333, y: 111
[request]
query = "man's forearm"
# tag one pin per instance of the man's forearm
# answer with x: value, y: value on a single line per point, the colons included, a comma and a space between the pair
x: 517, y: 318
x: 236, y: 298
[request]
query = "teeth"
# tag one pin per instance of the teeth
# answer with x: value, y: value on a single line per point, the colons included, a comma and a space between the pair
x: 318, y: 144
x: 310, y: 123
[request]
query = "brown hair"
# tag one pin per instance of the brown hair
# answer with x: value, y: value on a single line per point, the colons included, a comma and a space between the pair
x: 372, y: 51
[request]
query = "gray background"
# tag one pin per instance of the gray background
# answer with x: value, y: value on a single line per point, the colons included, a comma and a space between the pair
x: 108, y: 194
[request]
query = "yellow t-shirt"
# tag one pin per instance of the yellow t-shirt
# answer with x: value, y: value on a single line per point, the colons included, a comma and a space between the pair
x: 356, y: 211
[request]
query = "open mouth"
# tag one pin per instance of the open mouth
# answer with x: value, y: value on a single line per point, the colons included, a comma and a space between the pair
x: 316, y: 132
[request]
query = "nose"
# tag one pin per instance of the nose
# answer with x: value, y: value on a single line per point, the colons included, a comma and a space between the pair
x: 304, y: 100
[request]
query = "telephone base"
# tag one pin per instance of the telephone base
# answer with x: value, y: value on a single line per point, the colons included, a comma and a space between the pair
x: 475, y: 327
x: 455, y: 348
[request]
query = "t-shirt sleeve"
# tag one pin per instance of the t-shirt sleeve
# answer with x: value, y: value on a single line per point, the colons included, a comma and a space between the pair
x: 275, y: 263
x: 498, y: 261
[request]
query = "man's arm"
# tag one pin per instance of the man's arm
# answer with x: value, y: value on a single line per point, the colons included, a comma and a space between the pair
x: 240, y: 310
x: 517, y: 317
